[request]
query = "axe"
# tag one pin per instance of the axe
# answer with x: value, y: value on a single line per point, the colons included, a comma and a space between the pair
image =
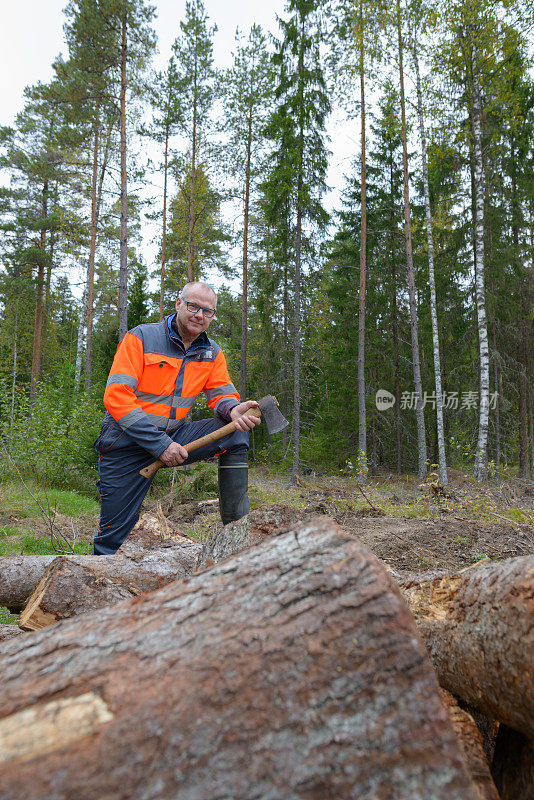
x: 268, y: 410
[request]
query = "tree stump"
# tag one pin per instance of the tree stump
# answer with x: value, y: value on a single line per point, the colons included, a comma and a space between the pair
x: 292, y: 669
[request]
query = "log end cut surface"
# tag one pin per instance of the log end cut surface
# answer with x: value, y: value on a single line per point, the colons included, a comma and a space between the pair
x: 291, y: 670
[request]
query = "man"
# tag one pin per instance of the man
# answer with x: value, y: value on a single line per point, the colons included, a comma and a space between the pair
x: 158, y: 370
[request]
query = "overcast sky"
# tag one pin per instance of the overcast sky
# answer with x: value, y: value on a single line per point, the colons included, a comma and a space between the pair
x: 31, y: 37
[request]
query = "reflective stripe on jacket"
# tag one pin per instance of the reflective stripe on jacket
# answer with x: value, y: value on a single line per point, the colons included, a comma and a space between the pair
x: 153, y: 383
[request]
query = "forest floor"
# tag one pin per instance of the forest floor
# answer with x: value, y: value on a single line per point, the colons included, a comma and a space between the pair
x: 411, y: 527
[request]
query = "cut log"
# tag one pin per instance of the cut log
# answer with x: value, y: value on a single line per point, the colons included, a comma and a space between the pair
x: 472, y: 747
x: 146, y: 570
x: 248, y: 531
x: 513, y: 765
x: 8, y: 631
x: 478, y: 626
x: 68, y: 589
x: 291, y: 670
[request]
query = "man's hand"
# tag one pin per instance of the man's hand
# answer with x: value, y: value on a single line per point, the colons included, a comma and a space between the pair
x: 243, y: 421
x: 174, y: 454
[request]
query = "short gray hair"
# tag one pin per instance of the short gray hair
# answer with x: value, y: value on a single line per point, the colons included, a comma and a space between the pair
x: 194, y: 284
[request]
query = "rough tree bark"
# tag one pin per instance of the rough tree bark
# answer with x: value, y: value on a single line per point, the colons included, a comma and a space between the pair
x: 479, y: 633
x: 250, y: 530
x: 291, y: 670
x: 8, y: 631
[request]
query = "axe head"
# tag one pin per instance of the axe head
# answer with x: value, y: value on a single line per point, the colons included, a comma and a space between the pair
x: 273, y: 418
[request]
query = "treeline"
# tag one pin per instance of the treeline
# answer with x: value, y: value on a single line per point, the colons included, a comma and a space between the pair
x: 396, y: 332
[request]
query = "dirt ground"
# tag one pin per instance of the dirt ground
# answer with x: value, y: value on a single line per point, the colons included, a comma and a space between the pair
x: 412, y: 529
x: 449, y: 539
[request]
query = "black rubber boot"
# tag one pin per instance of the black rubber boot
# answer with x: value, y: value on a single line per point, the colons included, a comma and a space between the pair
x: 233, y: 486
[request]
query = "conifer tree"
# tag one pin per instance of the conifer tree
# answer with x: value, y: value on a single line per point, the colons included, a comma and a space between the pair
x: 193, y: 51
x: 166, y: 99
x: 298, y: 163
x: 247, y: 86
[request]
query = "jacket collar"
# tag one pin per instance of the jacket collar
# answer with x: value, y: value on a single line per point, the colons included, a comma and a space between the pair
x: 200, y: 343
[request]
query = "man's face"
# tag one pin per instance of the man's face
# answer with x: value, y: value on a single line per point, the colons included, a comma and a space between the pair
x: 192, y: 324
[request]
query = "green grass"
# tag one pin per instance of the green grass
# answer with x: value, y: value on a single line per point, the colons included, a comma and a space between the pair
x: 7, y: 618
x: 14, y: 542
x: 17, y: 501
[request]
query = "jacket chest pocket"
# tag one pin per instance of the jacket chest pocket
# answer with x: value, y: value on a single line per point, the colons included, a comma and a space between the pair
x: 159, y: 374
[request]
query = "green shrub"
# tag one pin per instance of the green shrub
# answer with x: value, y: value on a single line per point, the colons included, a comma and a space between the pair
x: 53, y: 440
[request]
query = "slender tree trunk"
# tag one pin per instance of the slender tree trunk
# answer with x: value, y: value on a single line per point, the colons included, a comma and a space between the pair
x: 190, y: 248
x: 14, y: 382
x: 164, y: 231
x: 496, y: 379
x: 421, y: 438
x: 48, y: 285
x: 123, y: 270
x: 244, y: 307
x: 362, y: 420
x: 442, y: 460
x: 92, y: 251
x: 37, y: 328
x: 480, y: 468
x: 79, y: 340
x: 298, y: 245
x: 530, y: 432
x: 395, y: 329
x: 523, y: 403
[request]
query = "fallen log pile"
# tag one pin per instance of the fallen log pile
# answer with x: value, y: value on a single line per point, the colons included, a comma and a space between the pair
x: 289, y: 645
x: 289, y: 670
x: 146, y: 561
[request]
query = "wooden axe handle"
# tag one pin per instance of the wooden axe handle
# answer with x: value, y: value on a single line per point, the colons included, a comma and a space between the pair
x: 147, y: 472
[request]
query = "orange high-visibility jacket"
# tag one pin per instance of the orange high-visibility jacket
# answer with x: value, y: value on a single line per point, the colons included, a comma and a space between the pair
x: 153, y: 382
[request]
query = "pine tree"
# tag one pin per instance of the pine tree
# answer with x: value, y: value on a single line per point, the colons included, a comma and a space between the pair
x: 247, y: 86
x: 166, y: 99
x: 193, y: 51
x: 203, y: 241
x: 298, y: 164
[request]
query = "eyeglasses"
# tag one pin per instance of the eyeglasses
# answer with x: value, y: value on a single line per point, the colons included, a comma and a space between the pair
x: 193, y: 308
